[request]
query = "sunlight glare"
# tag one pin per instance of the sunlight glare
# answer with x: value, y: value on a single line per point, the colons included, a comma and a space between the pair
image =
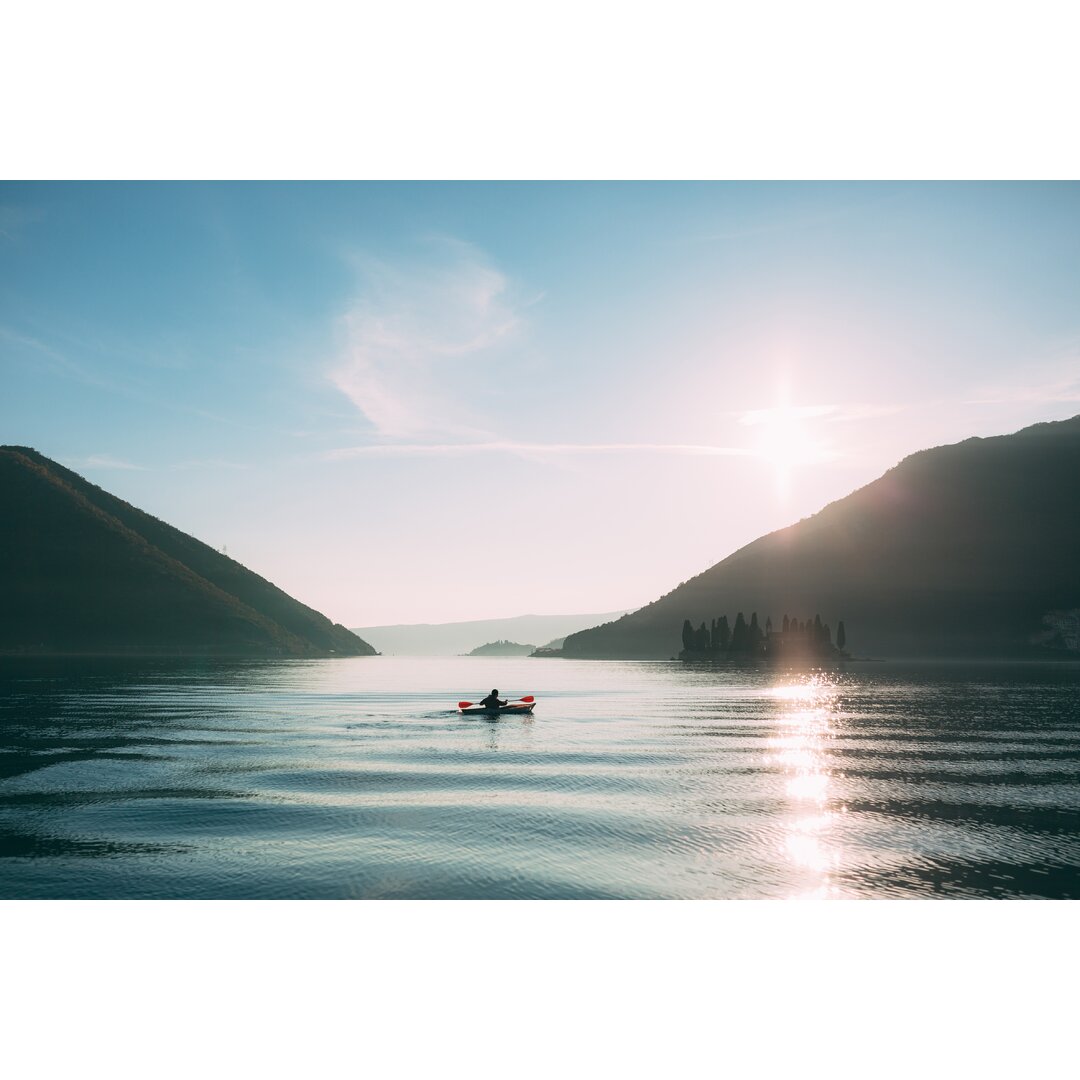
x: 804, y: 710
x: 785, y: 442
x: 807, y: 851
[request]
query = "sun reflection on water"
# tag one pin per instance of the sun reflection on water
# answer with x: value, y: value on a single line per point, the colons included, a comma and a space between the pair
x: 799, y: 748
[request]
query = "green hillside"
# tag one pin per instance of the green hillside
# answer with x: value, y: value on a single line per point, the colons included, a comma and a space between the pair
x: 964, y: 550
x: 83, y: 572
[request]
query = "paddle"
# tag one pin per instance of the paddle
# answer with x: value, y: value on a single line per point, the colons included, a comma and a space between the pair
x: 469, y: 704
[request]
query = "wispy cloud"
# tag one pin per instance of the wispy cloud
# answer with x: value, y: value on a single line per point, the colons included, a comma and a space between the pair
x: 13, y: 219
x: 44, y: 356
x: 106, y: 461
x: 753, y: 417
x: 1045, y: 383
x: 808, y: 220
x: 418, y: 337
x: 54, y: 359
x: 211, y: 463
x: 532, y: 449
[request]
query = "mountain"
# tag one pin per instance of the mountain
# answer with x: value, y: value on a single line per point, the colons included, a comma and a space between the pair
x: 964, y: 550
x: 83, y: 572
x: 453, y: 639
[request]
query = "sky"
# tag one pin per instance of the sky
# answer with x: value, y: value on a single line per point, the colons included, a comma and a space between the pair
x: 427, y: 402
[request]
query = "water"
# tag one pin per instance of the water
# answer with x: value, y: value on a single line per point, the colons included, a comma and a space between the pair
x: 354, y: 778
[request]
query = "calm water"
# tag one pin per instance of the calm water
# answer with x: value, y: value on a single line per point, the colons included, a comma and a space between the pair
x: 354, y: 778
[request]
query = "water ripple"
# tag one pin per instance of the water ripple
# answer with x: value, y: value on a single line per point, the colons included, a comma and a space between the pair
x: 358, y: 779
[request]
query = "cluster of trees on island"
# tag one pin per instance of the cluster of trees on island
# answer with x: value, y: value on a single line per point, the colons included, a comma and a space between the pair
x: 503, y: 647
x: 809, y: 638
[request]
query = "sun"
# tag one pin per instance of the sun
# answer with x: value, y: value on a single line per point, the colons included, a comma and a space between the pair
x: 785, y: 439
x: 782, y: 439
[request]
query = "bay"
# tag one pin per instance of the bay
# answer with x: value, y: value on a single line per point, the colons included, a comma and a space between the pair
x: 357, y: 778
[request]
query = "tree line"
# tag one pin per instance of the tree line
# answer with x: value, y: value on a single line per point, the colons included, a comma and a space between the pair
x: 802, y: 637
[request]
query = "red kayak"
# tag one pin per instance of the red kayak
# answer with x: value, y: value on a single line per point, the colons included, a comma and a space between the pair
x: 522, y: 705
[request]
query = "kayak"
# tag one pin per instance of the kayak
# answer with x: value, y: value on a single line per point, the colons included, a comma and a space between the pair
x: 483, y: 710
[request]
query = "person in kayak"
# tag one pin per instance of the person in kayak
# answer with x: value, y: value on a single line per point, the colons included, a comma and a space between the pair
x: 492, y: 701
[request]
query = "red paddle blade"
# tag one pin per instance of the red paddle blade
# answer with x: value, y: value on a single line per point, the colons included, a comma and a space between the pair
x: 529, y: 698
x: 463, y: 704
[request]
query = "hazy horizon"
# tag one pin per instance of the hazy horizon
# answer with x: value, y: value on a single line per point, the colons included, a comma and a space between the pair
x: 429, y: 403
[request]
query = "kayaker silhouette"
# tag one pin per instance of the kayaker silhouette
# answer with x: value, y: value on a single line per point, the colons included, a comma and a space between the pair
x: 492, y: 700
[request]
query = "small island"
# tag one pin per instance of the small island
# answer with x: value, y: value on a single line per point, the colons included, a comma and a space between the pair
x: 502, y: 648
x: 552, y: 648
x: 796, y: 640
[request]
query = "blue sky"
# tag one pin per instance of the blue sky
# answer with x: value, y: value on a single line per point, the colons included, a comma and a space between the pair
x: 425, y: 402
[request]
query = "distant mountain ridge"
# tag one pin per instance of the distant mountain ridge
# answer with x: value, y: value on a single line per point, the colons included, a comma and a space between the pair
x: 83, y: 572
x: 453, y: 639
x: 970, y: 550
